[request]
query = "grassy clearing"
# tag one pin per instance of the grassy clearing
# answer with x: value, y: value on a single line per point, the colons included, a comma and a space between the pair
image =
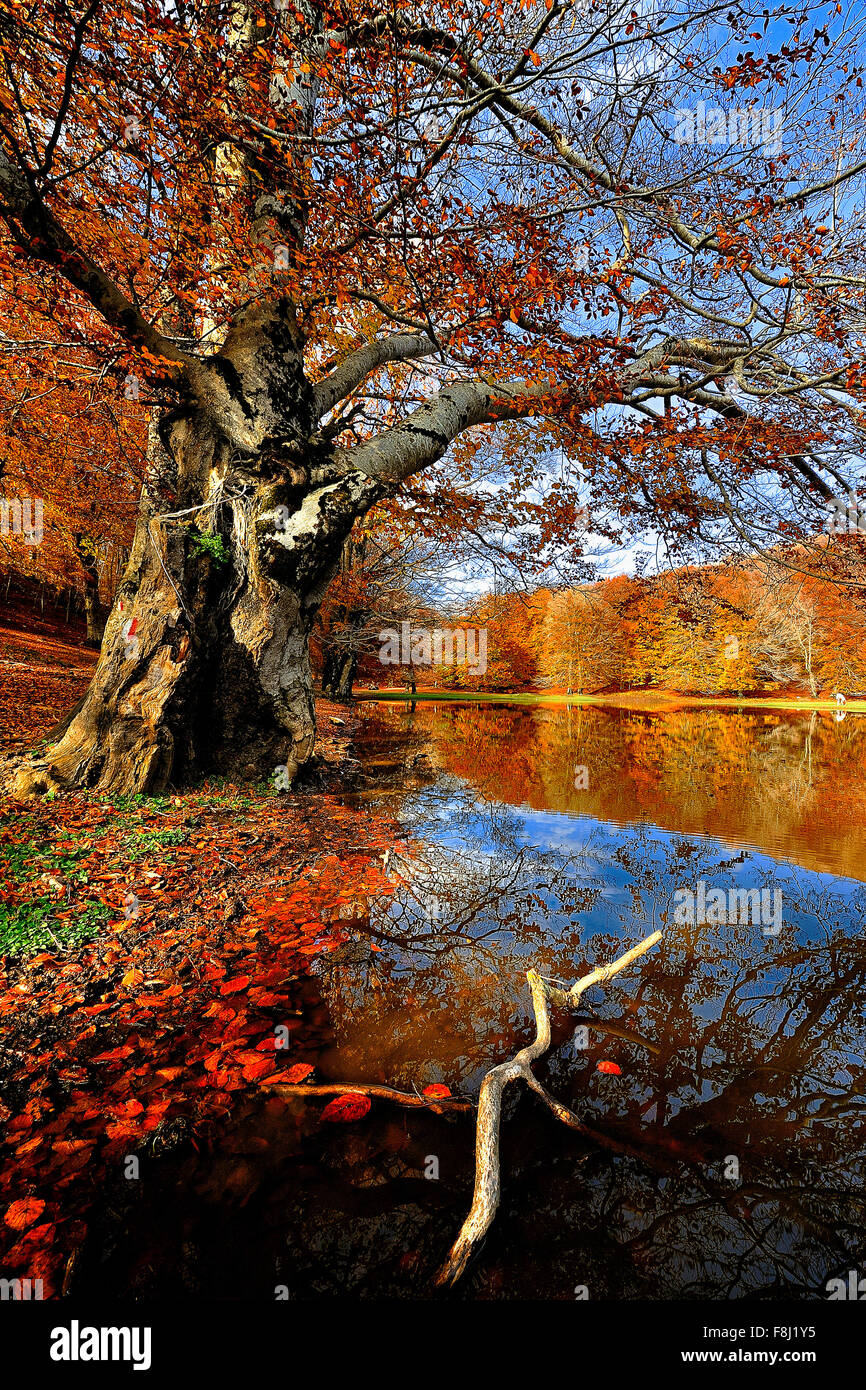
x: 32, y: 920
x: 33, y: 925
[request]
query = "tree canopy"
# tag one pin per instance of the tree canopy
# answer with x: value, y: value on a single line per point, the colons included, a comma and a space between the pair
x: 479, y: 213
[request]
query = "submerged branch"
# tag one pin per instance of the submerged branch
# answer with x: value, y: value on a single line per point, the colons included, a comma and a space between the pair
x: 485, y: 1198
x: 440, y: 1105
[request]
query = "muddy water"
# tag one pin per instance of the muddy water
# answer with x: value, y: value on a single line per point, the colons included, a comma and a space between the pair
x: 555, y: 840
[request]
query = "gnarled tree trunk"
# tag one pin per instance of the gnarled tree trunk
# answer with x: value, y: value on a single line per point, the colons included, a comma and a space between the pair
x: 204, y: 664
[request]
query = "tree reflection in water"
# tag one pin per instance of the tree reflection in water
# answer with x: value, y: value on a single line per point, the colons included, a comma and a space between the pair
x: 756, y: 1041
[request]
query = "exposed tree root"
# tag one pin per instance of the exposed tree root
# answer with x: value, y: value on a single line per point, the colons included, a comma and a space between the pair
x: 485, y: 1199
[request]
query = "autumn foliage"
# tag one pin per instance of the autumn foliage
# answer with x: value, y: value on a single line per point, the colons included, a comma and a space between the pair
x: 791, y: 621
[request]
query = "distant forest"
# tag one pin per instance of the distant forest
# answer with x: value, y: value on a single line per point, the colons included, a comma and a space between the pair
x: 792, y: 620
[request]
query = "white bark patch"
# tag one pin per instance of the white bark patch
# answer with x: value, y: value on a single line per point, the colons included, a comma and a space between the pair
x: 307, y: 519
x: 270, y: 630
x: 284, y: 658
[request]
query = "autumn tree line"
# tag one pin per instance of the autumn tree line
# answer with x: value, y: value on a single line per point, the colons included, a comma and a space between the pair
x: 267, y: 270
x: 788, y: 620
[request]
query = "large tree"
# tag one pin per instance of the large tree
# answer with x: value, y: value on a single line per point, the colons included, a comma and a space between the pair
x: 508, y: 266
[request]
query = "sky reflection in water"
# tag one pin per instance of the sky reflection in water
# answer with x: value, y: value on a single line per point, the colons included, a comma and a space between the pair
x: 731, y: 1042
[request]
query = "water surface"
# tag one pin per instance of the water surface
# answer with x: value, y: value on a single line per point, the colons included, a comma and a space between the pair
x: 556, y: 839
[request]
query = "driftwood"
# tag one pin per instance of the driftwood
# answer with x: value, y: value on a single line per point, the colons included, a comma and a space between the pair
x: 485, y: 1199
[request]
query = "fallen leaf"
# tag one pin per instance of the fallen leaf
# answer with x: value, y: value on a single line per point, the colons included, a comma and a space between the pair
x: 296, y: 1073
x: 27, y: 1210
x: 346, y: 1109
x: 255, y: 1070
x: 233, y: 986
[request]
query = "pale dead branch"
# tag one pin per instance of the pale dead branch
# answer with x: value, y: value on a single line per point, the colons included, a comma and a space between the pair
x: 485, y: 1199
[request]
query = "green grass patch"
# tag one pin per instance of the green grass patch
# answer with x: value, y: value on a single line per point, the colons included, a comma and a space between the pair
x: 137, y: 801
x: 142, y: 843
x: 34, y: 926
x: 28, y: 859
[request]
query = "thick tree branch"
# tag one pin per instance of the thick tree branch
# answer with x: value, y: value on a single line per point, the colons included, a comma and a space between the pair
x: 423, y: 438
x: 37, y: 231
x: 426, y: 434
x: 398, y: 347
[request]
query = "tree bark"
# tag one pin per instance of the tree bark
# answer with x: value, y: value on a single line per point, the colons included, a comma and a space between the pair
x: 338, y: 674
x: 205, y: 665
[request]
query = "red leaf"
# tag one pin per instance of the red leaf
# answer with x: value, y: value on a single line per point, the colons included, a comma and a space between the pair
x: 436, y: 1089
x: 44, y: 1233
x: 297, y: 1073
x: 116, y: 1055
x: 124, y: 1129
x: 609, y: 1068
x: 254, y: 1070
x: 23, y: 1213
x: 232, y: 986
x: 345, y: 1109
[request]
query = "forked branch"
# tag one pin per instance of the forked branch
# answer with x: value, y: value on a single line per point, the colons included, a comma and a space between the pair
x: 485, y: 1199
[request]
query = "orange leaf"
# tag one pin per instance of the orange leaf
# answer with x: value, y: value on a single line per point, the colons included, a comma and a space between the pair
x: 25, y: 1212
x: 296, y: 1073
x: 437, y: 1089
x: 346, y: 1109
x: 116, y: 1055
x: 122, y: 1130
x: 232, y: 986
x: 253, y: 1071
x: 29, y: 1145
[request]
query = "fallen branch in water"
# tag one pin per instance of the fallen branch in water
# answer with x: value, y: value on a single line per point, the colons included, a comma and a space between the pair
x: 485, y: 1198
x: 440, y: 1105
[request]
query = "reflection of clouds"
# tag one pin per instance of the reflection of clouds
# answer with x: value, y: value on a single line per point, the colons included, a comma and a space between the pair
x: 760, y: 1039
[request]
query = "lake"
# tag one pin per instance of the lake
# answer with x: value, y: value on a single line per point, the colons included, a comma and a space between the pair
x: 556, y: 839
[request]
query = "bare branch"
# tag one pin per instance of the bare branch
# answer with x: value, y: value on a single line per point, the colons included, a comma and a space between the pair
x: 485, y: 1199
